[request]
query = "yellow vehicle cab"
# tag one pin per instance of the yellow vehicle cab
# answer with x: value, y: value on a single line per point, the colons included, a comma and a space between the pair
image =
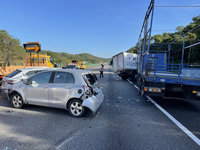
x: 81, y: 65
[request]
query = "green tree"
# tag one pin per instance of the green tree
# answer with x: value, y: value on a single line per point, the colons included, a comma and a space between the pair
x: 9, y: 47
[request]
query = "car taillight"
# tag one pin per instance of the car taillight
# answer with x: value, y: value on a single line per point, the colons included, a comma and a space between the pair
x: 10, y: 82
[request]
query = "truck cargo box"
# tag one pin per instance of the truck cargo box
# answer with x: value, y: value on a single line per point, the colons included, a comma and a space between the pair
x: 124, y: 61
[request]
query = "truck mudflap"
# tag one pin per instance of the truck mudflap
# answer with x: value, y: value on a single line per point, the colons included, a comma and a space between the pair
x: 93, y: 102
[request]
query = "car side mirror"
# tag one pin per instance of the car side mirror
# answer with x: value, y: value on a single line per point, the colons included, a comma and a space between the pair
x: 28, y: 81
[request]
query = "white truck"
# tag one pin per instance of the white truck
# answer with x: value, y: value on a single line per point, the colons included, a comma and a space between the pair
x: 125, y: 65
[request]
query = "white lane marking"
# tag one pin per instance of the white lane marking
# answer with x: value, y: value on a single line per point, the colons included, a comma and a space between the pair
x: 129, y: 81
x: 133, y: 84
x: 74, y: 134
x: 67, y: 140
x: 136, y: 87
x: 184, y: 129
x: 179, y: 125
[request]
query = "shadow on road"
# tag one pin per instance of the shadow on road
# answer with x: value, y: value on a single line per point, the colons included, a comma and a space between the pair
x: 178, y: 104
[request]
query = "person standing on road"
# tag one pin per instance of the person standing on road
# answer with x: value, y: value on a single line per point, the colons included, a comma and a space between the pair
x: 101, y: 71
x: 55, y: 65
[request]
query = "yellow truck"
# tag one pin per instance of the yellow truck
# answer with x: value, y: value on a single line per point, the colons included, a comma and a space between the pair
x: 81, y: 65
x: 35, y: 60
x: 41, y: 60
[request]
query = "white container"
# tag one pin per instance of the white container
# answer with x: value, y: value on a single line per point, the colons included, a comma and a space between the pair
x: 124, y: 61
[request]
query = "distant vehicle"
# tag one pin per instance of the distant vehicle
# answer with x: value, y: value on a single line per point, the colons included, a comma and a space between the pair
x: 125, y: 65
x: 74, y: 62
x: 19, y: 75
x: 81, y: 65
x: 69, y: 89
x: 71, y: 67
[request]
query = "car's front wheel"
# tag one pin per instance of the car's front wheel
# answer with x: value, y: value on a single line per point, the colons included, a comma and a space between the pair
x: 75, y: 108
x: 17, y: 100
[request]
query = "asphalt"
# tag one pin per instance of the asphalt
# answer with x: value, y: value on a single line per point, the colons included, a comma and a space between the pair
x: 124, y: 121
x: 185, y: 111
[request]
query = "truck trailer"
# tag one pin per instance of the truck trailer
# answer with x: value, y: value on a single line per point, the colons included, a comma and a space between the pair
x: 125, y: 65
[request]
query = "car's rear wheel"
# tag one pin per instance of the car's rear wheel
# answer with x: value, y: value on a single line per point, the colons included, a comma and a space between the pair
x: 75, y: 108
x: 17, y: 100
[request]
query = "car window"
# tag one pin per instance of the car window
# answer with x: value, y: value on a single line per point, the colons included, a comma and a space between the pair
x: 30, y: 73
x: 12, y: 74
x: 64, y: 77
x: 71, y: 66
x: 42, y: 78
x: 71, y: 78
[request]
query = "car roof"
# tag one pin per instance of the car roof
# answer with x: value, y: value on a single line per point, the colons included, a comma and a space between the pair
x: 78, y: 71
x: 33, y: 68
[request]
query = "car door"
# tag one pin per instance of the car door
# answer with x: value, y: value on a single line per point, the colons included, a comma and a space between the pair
x: 37, y: 92
x: 61, y: 89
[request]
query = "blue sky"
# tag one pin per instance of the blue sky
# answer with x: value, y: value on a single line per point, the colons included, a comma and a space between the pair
x: 100, y: 27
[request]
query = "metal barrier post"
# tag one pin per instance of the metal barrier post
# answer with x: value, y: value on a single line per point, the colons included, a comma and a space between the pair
x: 182, y: 61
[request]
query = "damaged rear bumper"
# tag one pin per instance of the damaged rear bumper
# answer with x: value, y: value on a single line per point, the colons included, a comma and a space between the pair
x: 93, y: 102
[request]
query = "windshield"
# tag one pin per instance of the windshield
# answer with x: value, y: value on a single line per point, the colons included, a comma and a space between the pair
x: 12, y: 74
x: 71, y: 66
x: 30, y: 73
x: 74, y: 61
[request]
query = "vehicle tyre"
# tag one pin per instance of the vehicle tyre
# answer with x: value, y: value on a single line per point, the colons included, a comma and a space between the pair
x: 141, y: 90
x: 124, y: 78
x: 17, y: 100
x: 75, y: 108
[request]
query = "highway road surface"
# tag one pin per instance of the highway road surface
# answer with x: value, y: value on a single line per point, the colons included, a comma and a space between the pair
x: 124, y: 121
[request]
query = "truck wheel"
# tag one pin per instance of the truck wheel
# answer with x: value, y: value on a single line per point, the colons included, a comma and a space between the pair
x: 124, y: 78
x: 141, y: 90
x: 17, y: 101
x: 75, y: 108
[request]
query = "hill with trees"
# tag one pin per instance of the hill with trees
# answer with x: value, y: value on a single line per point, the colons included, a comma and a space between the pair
x: 12, y: 51
x: 192, y: 55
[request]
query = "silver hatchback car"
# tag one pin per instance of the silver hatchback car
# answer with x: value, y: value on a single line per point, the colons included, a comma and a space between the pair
x: 69, y: 89
x: 18, y: 76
